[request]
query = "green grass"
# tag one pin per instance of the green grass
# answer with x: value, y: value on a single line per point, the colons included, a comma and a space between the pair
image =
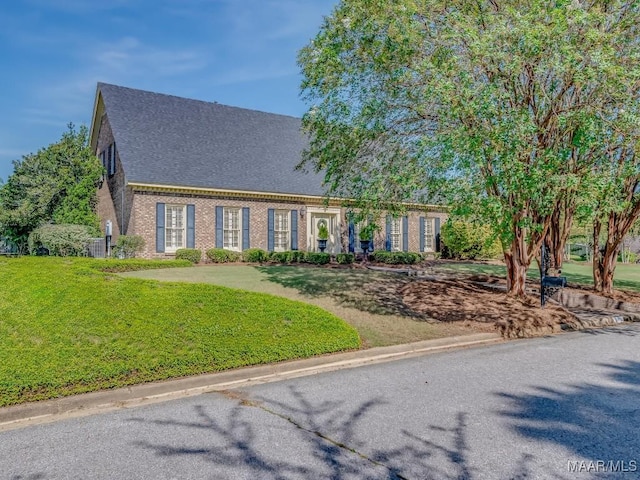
x: 627, y: 275
x: 67, y: 327
x: 366, y: 299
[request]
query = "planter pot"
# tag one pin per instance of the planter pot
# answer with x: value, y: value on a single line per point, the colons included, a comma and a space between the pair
x: 322, y: 244
x: 365, y: 245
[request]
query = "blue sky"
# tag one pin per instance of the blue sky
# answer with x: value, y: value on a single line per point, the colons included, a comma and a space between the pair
x: 53, y: 52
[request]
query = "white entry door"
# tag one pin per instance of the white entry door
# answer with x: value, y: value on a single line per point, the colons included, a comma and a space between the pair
x: 331, y: 221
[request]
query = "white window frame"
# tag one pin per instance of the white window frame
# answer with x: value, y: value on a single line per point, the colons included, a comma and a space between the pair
x: 395, y: 235
x: 232, y: 229
x: 175, y: 227
x: 429, y: 234
x: 281, y: 230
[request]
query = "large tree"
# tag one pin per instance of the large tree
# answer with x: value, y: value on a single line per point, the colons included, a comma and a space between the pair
x: 494, y: 106
x: 55, y: 185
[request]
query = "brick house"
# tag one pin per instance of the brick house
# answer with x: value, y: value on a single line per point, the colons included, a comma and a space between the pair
x: 185, y: 173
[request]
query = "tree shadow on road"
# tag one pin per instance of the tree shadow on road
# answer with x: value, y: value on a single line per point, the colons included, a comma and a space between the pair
x: 596, y: 422
x: 330, y: 441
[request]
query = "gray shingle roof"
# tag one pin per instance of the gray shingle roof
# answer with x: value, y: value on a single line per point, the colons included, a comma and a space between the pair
x: 168, y: 140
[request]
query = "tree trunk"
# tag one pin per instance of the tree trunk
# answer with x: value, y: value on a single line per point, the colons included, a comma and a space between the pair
x: 517, y: 265
x: 559, y: 231
x: 596, y: 257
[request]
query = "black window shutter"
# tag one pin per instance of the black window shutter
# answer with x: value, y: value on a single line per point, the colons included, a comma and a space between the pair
x: 387, y: 243
x: 436, y: 232
x: 160, y: 227
x: 113, y: 153
x: 405, y: 234
x: 352, y: 237
x: 294, y: 229
x: 246, y: 239
x: 191, y: 226
x: 270, y: 227
x: 422, y: 234
x: 219, y: 225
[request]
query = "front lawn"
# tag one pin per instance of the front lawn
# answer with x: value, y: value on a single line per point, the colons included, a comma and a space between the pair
x: 68, y: 327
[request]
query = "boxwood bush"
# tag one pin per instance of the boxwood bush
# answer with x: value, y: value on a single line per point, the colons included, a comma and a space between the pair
x: 345, y: 258
x: 220, y: 255
x: 317, y: 258
x: 290, y: 256
x: 192, y: 254
x: 128, y: 246
x: 395, y: 258
x: 255, y: 255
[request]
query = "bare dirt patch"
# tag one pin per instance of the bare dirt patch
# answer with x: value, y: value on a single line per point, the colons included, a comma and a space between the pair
x: 468, y: 303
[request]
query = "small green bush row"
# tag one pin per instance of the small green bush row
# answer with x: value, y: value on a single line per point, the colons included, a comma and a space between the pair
x: 345, y: 258
x: 220, y: 255
x: 192, y: 254
x: 395, y: 258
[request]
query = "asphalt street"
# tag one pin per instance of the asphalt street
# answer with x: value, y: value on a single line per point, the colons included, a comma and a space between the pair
x: 559, y: 407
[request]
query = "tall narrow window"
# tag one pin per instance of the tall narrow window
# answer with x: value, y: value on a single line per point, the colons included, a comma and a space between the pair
x: 281, y: 231
x: 429, y: 235
x: 395, y: 235
x: 232, y: 228
x: 174, y: 227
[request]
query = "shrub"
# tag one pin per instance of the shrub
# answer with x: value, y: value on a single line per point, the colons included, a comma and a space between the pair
x: 254, y: 255
x: 290, y: 256
x: 60, y: 240
x: 220, y: 255
x: 464, y: 240
x: 395, y: 258
x: 345, y: 258
x: 317, y: 258
x: 128, y: 246
x: 192, y: 254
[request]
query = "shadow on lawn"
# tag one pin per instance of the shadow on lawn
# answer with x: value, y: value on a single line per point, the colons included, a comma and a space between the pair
x: 367, y: 291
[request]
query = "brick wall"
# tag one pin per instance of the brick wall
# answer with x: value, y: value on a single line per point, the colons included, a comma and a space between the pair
x: 143, y: 221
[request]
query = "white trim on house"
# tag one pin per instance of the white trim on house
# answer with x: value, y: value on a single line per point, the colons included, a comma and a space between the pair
x: 175, y: 227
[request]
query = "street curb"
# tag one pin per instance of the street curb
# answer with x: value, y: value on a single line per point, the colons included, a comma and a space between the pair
x: 19, y: 416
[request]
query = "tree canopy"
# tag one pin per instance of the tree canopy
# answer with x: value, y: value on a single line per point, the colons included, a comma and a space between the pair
x: 500, y: 108
x: 55, y: 185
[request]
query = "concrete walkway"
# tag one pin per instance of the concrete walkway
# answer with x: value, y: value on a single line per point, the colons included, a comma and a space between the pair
x: 98, y: 402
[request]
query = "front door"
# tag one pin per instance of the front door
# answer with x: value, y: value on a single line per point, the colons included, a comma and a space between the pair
x: 331, y: 221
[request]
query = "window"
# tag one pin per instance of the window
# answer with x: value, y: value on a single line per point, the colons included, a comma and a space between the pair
x: 429, y: 237
x: 281, y: 232
x: 395, y: 235
x: 174, y: 227
x: 232, y: 228
x: 112, y: 159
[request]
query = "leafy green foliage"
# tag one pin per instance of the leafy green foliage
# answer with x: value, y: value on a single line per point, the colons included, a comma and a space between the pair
x: 499, y: 109
x: 67, y: 328
x: 55, y: 185
x: 290, y: 256
x: 345, y: 258
x: 317, y: 258
x: 220, y: 255
x: 255, y: 255
x: 395, y: 258
x: 60, y: 240
x: 464, y: 240
x: 128, y: 246
x: 323, y: 232
x: 193, y: 255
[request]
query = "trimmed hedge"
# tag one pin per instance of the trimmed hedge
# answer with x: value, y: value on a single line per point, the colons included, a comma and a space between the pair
x: 395, y: 258
x: 467, y: 240
x: 317, y: 258
x: 220, y: 255
x: 345, y: 258
x: 192, y: 254
x: 255, y: 255
x: 290, y: 256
